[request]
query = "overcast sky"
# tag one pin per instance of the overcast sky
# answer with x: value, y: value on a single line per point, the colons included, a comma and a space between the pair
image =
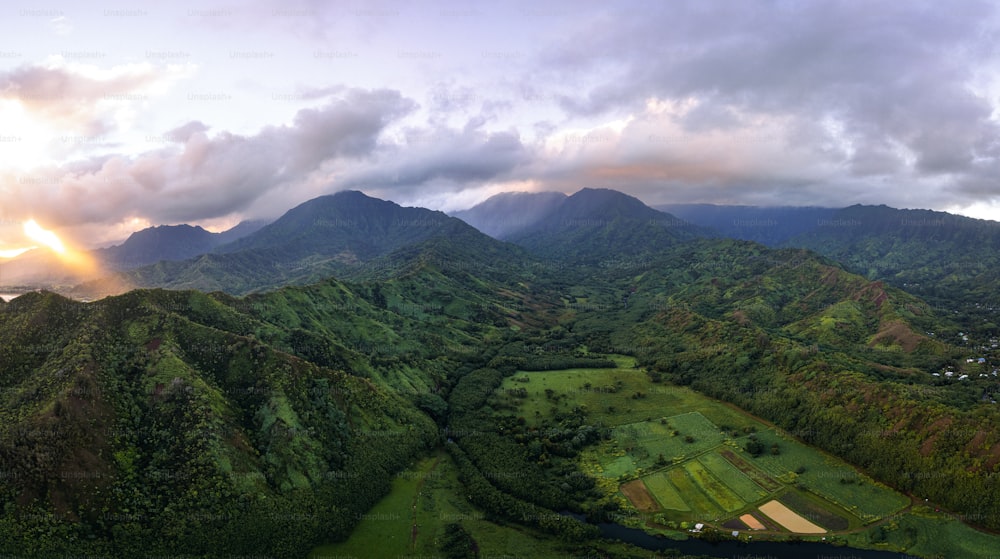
x: 119, y: 116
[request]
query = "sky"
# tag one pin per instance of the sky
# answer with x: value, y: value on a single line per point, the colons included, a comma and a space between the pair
x: 122, y: 115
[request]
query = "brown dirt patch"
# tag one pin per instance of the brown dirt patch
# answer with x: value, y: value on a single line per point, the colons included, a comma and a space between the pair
x: 637, y: 494
x: 897, y: 333
x: 752, y: 522
x: 789, y: 519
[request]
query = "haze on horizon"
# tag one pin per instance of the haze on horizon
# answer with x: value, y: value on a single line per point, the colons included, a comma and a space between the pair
x: 117, y: 117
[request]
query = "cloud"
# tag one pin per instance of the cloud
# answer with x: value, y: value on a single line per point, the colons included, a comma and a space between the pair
x: 203, y: 176
x: 872, y: 91
x: 78, y: 97
x: 439, y: 158
x: 61, y: 25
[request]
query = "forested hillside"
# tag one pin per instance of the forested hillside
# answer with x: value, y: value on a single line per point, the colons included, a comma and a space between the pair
x: 181, y: 418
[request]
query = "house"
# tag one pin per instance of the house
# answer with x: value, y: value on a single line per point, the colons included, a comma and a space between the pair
x: 950, y: 374
x: 963, y: 377
x: 698, y: 527
x: 935, y: 374
x: 981, y: 360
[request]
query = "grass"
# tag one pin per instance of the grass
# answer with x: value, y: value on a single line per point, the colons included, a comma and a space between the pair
x: 823, y: 475
x: 664, y: 492
x: 925, y: 533
x: 734, y: 479
x: 700, y: 503
x: 714, y: 488
x: 432, y: 486
x: 936, y: 535
x: 688, y: 489
x: 607, y: 395
x: 646, y: 441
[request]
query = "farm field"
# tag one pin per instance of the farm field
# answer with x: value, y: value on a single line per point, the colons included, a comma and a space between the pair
x: 688, y: 449
x: 676, y: 458
x: 742, y: 484
x: 608, y: 395
x: 925, y: 533
x: 674, y: 439
x: 637, y: 494
x: 829, y: 477
x: 789, y: 518
x: 665, y: 492
x: 718, y: 492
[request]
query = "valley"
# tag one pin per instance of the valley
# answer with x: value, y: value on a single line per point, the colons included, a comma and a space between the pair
x: 473, y: 396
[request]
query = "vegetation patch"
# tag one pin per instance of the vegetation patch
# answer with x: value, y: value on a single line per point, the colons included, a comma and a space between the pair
x: 701, y: 504
x: 670, y: 439
x: 719, y: 493
x: 664, y: 491
x: 753, y: 473
x: 832, y: 479
x: 741, y: 484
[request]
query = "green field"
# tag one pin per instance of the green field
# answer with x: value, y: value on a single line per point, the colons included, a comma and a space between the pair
x: 829, y: 477
x: 607, y: 395
x: 664, y: 492
x: 694, y: 482
x: 646, y: 441
x: 433, y: 487
x: 722, y: 495
x: 930, y: 534
x: 736, y: 480
x: 701, y: 504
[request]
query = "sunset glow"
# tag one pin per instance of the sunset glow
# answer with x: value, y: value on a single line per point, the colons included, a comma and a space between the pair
x: 44, y: 237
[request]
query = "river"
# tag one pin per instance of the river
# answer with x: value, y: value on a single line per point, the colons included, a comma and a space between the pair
x: 736, y: 549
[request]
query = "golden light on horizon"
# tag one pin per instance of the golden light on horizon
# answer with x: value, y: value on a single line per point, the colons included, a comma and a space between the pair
x: 47, y: 238
x: 14, y: 252
x: 78, y: 260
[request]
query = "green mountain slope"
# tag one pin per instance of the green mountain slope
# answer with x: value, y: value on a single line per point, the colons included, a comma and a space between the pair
x: 182, y: 419
x: 175, y: 417
x: 596, y: 225
x: 346, y: 235
x: 933, y: 254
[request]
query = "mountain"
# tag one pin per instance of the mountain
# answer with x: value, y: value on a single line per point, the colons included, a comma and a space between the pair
x: 347, y: 234
x: 42, y: 268
x: 192, y: 418
x: 599, y: 224
x: 348, y: 226
x: 169, y: 242
x: 771, y: 226
x: 509, y: 213
x: 945, y: 257
x: 39, y: 267
x: 950, y: 260
x: 165, y: 242
x: 240, y: 230
x: 175, y: 421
